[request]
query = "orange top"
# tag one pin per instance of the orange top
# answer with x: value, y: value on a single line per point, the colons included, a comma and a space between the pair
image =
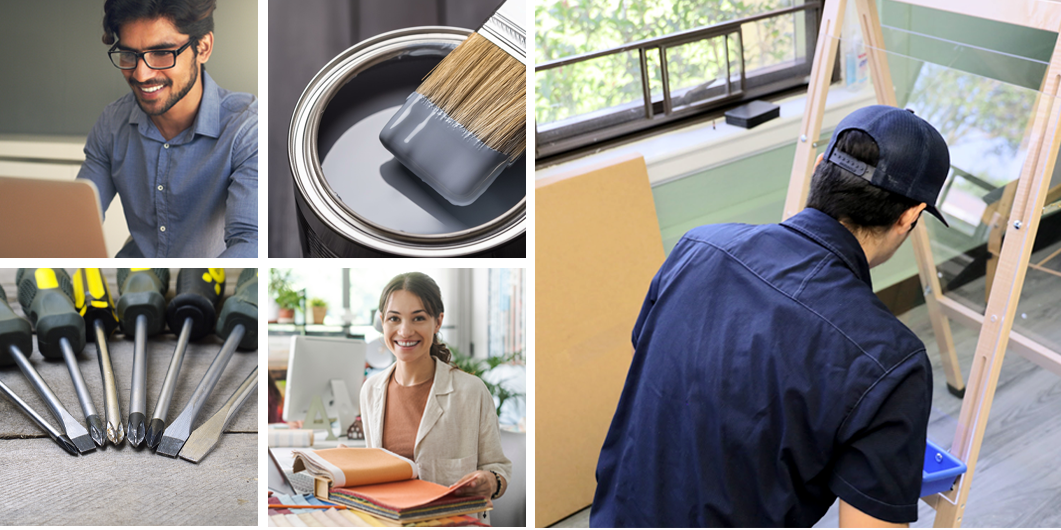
x: 401, y: 420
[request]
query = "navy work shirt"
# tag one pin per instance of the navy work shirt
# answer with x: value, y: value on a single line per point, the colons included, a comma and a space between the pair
x: 767, y: 380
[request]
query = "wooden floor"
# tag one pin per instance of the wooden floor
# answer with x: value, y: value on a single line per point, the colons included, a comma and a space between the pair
x: 124, y: 485
x: 1018, y: 476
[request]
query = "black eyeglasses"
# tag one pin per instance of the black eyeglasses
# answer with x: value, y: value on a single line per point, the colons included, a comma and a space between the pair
x: 154, y: 59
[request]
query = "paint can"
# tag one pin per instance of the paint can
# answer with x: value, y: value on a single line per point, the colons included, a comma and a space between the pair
x: 352, y: 198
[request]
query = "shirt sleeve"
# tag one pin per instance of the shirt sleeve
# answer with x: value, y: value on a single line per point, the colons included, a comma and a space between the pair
x: 241, y: 206
x: 491, y: 457
x: 646, y: 307
x: 881, y: 445
x: 97, y: 166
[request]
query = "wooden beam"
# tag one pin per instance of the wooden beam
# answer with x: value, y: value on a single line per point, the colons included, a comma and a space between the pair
x: 1020, y: 344
x: 873, y: 37
x: 817, y: 92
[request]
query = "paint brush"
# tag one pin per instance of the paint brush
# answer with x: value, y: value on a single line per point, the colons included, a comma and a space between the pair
x: 205, y: 438
x: 467, y: 121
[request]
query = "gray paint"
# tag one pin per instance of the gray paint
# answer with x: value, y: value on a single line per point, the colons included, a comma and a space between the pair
x: 303, y: 36
x: 439, y: 150
x: 56, y: 74
x: 370, y: 181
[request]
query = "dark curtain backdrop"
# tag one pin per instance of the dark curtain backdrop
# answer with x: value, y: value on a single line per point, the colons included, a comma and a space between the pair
x: 303, y: 36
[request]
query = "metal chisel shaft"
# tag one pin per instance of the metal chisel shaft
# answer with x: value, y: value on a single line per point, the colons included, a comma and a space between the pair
x: 73, y: 429
x: 205, y: 438
x: 53, y: 433
x: 115, y: 429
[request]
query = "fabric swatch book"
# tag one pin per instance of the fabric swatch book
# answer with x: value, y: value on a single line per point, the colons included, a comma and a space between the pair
x: 382, y: 484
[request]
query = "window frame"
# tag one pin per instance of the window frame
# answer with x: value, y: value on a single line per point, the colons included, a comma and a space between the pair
x: 652, y: 112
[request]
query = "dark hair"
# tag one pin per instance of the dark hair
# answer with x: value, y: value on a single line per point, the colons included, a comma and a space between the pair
x: 430, y: 295
x: 850, y: 199
x: 194, y: 18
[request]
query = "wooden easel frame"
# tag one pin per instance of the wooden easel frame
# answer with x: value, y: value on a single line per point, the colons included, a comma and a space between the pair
x: 995, y: 325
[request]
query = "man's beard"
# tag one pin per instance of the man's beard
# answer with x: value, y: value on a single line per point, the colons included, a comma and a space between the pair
x: 169, y: 103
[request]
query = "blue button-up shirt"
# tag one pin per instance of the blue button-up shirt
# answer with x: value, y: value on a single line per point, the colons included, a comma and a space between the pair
x: 193, y: 196
x: 767, y: 380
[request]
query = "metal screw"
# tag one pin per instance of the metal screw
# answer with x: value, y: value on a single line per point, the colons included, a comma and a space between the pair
x: 928, y: 290
x: 1024, y: 316
x: 803, y: 137
x: 1017, y: 225
x: 939, y: 274
x: 939, y: 457
x: 814, y: 144
x: 994, y: 318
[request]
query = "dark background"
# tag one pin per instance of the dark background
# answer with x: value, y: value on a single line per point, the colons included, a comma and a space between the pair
x: 303, y: 36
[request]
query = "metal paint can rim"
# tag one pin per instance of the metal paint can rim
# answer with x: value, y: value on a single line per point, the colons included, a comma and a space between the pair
x: 323, y: 201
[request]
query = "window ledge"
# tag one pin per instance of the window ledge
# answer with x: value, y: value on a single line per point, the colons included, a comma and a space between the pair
x: 678, y: 154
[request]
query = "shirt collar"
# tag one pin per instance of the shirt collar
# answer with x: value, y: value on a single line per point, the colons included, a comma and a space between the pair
x: 207, y: 118
x: 835, y: 237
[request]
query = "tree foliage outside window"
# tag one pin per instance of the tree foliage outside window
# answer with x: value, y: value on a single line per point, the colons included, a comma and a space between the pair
x: 565, y: 28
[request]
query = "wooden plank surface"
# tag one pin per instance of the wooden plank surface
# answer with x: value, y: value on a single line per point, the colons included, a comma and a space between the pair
x: 42, y: 485
x: 123, y: 484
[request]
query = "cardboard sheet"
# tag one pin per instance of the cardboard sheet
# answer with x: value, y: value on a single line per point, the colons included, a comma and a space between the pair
x: 597, y: 246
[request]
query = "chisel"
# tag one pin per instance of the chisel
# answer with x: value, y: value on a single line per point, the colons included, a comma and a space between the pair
x: 238, y: 325
x: 141, y: 312
x: 92, y: 298
x: 205, y: 438
x: 15, y: 332
x: 46, y: 296
x: 191, y: 315
x: 13, y: 353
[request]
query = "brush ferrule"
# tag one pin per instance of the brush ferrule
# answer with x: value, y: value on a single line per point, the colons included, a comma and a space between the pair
x: 506, y: 28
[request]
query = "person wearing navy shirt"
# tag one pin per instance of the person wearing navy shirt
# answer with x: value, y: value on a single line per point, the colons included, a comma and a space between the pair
x: 179, y: 151
x: 767, y: 378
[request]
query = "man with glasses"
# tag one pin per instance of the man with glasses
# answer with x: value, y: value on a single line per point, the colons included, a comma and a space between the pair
x: 180, y: 151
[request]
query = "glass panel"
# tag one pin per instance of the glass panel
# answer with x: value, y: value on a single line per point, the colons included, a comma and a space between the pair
x: 590, y: 89
x: 564, y: 28
x: 772, y: 42
x: 697, y: 71
x: 982, y: 104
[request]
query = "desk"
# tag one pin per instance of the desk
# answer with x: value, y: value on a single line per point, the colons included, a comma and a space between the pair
x: 125, y: 485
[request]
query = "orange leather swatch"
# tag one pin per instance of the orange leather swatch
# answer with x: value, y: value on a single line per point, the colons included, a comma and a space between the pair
x: 367, y: 466
x: 405, y: 494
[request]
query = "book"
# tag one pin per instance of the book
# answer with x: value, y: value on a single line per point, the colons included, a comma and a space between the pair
x: 382, y: 484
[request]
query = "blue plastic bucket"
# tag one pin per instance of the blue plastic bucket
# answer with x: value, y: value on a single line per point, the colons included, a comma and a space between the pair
x: 941, y: 468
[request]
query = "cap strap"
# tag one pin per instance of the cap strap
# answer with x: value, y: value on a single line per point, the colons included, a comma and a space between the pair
x: 852, y: 164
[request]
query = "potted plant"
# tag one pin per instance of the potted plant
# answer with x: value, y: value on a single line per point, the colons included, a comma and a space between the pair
x: 286, y: 297
x: 320, y: 309
x: 479, y: 367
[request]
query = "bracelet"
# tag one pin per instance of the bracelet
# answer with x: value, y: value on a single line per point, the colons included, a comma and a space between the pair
x: 498, y: 492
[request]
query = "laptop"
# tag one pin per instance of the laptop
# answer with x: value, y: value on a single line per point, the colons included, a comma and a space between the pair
x: 50, y: 219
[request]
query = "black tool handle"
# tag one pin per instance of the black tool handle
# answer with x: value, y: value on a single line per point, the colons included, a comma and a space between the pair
x: 46, y: 296
x: 198, y: 296
x: 242, y: 308
x: 14, y: 331
x: 143, y: 292
x: 92, y: 298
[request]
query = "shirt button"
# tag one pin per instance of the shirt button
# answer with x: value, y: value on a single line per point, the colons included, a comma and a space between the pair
x: 162, y: 229
x: 166, y: 146
x: 160, y: 188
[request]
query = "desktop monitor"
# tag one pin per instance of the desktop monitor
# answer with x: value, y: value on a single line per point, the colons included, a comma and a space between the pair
x: 313, y: 363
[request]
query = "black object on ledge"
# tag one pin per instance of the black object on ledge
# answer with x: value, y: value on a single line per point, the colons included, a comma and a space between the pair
x: 751, y: 114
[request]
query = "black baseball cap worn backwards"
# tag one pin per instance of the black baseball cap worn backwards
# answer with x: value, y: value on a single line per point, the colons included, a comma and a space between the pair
x: 914, y: 160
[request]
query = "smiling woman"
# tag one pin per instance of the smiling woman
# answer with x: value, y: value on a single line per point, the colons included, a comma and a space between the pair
x: 425, y: 409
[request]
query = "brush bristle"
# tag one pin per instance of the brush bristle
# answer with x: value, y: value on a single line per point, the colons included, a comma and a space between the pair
x: 484, y: 89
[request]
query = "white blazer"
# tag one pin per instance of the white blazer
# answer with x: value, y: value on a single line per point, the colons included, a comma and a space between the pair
x: 458, y: 433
